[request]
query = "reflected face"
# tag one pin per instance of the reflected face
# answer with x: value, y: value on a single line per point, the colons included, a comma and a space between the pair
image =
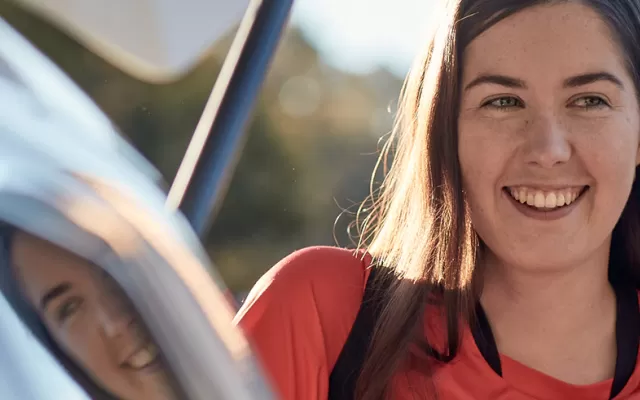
x: 90, y: 318
x: 548, y: 136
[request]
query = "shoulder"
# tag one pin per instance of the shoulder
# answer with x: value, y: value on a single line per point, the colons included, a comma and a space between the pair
x: 322, y: 279
x: 322, y: 268
x: 304, y: 308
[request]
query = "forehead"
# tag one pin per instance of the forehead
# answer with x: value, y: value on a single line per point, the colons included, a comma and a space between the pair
x: 543, y: 40
x: 40, y: 265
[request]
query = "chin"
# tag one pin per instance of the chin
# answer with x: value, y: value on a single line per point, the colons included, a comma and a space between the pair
x: 533, y: 260
x: 538, y: 257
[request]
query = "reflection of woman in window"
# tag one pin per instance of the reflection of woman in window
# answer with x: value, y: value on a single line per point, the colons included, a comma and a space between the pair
x: 504, y: 239
x: 90, y: 318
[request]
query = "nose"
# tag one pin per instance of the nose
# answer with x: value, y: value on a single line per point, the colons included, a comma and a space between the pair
x: 547, y: 143
x: 114, y: 315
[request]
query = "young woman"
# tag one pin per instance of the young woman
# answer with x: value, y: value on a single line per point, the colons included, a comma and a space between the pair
x: 501, y: 258
x: 89, y: 318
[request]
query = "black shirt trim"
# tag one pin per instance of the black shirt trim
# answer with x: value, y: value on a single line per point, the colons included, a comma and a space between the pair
x: 343, y: 378
x: 627, y: 337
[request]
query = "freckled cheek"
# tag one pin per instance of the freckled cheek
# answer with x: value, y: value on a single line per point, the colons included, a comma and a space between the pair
x: 609, y: 151
x: 484, y: 152
x: 614, y: 177
x: 480, y: 174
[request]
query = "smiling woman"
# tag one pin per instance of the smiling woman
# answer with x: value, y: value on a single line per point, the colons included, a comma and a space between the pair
x: 90, y: 318
x: 500, y: 257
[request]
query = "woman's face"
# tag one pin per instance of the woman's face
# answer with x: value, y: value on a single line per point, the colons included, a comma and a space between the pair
x: 548, y: 136
x: 90, y: 318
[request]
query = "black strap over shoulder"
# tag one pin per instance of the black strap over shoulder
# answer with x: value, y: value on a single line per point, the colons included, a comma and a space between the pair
x: 627, y: 337
x: 342, y: 382
x: 485, y: 341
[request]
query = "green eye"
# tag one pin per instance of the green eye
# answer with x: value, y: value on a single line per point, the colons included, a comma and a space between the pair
x: 504, y: 103
x: 590, y: 102
x: 68, y: 308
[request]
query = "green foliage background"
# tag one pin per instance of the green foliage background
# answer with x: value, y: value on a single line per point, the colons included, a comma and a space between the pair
x: 312, y: 141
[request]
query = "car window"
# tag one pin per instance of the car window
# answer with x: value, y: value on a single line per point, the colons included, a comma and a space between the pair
x: 111, y: 283
x: 27, y: 370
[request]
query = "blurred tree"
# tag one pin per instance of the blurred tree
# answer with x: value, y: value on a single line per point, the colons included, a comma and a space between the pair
x: 311, y: 147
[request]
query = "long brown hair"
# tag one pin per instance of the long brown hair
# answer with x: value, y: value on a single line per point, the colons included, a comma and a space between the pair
x: 418, y: 225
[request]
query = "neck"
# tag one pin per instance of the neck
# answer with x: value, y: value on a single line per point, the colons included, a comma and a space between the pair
x: 547, y: 295
x: 555, y: 313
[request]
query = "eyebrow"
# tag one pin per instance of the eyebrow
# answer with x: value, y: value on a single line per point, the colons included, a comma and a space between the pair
x: 572, y: 82
x: 585, y: 79
x: 53, y: 293
x: 501, y: 80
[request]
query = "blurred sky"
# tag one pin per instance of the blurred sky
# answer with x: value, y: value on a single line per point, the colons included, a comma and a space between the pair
x: 358, y: 35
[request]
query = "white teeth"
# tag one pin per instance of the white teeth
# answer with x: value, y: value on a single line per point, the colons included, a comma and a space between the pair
x: 546, y: 200
x: 539, y: 200
x: 550, y: 200
x: 143, y: 357
x: 572, y: 197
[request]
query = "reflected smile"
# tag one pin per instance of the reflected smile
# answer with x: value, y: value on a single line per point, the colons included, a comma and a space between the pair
x: 142, y: 358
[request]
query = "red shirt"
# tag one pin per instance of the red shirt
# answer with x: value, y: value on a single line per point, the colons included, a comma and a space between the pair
x: 299, y: 314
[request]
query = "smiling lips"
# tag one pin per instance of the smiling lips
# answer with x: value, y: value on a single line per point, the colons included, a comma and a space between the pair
x: 143, y: 357
x: 545, y: 199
